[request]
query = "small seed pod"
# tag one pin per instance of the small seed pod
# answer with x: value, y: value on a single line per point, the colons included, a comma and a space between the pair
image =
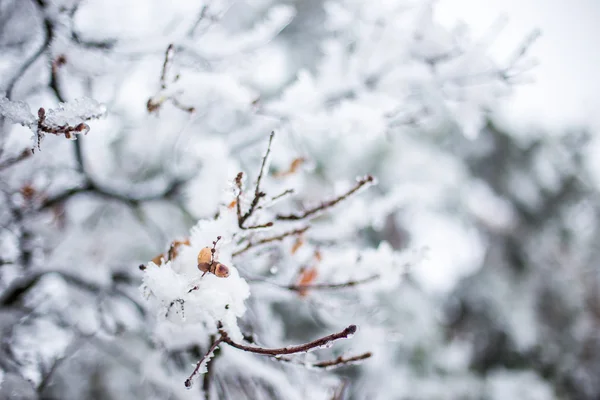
x: 220, y: 270
x: 204, y: 256
x: 216, y: 268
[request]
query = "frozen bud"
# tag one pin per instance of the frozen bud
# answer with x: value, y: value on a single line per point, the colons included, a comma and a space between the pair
x: 204, y: 256
x: 221, y: 270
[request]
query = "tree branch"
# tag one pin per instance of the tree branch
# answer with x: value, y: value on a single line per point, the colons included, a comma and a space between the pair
x: 213, y: 347
x: 326, y: 204
x: 330, y: 286
x: 330, y: 364
x: 270, y: 239
x: 257, y: 193
x: 303, y: 348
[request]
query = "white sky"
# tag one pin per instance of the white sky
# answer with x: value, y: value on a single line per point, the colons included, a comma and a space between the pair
x: 566, y: 90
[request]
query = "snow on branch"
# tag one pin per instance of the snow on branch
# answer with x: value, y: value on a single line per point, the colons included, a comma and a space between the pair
x: 67, y: 119
x: 197, y: 284
x: 323, y: 342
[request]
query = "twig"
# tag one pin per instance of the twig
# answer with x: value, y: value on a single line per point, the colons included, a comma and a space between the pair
x: 168, y: 59
x: 329, y: 364
x: 257, y: 192
x: 154, y: 104
x: 270, y: 239
x: 283, y: 194
x: 303, y: 348
x: 326, y: 204
x: 330, y: 286
x: 207, y: 379
x: 189, y: 381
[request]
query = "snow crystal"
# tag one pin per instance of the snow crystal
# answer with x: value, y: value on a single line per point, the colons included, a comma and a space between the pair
x: 74, y: 112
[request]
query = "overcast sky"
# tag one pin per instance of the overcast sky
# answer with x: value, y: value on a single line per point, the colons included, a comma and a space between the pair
x: 567, y: 86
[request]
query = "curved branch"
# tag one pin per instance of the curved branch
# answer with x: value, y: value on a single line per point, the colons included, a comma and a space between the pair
x: 303, y: 348
x: 48, y: 37
x: 326, y: 204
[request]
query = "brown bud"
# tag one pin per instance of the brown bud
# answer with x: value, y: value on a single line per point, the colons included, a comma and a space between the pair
x: 204, y: 256
x: 220, y: 270
x: 204, y: 267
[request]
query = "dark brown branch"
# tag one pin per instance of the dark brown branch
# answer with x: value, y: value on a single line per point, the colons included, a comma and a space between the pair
x: 280, y: 237
x: 341, y: 361
x: 330, y: 364
x: 207, y: 379
x: 238, y: 200
x: 326, y: 204
x: 303, y: 348
x: 168, y: 59
x: 257, y: 192
x: 330, y: 286
x: 189, y: 381
x: 283, y: 194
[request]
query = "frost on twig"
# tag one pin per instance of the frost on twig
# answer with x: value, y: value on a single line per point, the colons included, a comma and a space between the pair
x: 67, y: 119
x: 327, y: 204
x: 155, y: 102
x: 323, y: 342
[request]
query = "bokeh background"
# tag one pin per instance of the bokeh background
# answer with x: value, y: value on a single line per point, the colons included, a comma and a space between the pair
x: 478, y: 119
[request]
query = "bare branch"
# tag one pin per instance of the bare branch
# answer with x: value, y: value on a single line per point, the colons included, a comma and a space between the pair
x: 213, y: 347
x: 331, y: 364
x: 280, y: 237
x: 303, y: 348
x: 257, y: 192
x: 154, y: 103
x: 330, y: 286
x: 326, y: 204
x: 168, y: 60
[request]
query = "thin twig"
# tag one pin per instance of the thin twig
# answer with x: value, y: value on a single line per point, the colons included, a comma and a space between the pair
x: 257, y: 192
x: 303, y: 348
x: 329, y: 364
x: 330, y: 286
x: 189, y: 381
x: 280, y: 237
x: 207, y: 379
x: 168, y: 59
x: 283, y: 194
x: 326, y: 204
